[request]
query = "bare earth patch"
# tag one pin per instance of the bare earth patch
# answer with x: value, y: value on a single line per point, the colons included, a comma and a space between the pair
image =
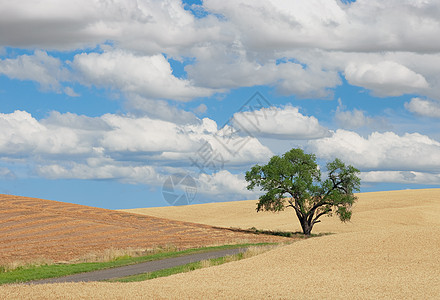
x: 390, y: 250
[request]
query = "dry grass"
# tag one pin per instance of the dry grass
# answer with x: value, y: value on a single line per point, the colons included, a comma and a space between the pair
x: 112, y: 253
x: 391, y: 250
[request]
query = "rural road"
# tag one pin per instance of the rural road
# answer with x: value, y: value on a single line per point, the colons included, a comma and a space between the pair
x: 139, y: 268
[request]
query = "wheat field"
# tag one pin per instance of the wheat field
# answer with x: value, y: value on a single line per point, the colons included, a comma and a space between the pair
x: 390, y: 250
x: 390, y: 208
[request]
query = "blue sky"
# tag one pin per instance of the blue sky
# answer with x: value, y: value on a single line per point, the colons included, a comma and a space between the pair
x: 101, y: 103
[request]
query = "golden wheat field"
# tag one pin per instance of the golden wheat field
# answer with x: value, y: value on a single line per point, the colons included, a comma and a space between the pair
x: 390, y: 250
x: 390, y: 208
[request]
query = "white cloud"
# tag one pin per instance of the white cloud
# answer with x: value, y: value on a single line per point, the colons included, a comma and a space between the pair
x: 352, y: 119
x: 140, y: 135
x: 224, y: 184
x: 381, y: 151
x: 281, y: 123
x: 201, y: 109
x: 214, y: 186
x: 70, y: 92
x: 119, y: 146
x: 6, y: 173
x: 158, y: 109
x: 134, y: 75
x: 424, y: 107
x: 356, y: 119
x: 149, y: 26
x: 255, y: 43
x: 411, y: 65
x: 231, y: 66
x: 386, y: 78
x: 332, y: 25
x: 22, y: 135
x: 369, y: 50
x: 147, y: 76
x: 39, y: 67
x: 57, y: 120
x: 221, y: 147
x: 107, y: 170
x: 400, y: 177
x: 262, y: 25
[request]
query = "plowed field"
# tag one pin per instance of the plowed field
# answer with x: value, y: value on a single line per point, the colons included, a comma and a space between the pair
x: 34, y: 228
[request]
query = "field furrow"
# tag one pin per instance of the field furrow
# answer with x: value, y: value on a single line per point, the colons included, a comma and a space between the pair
x: 36, y: 228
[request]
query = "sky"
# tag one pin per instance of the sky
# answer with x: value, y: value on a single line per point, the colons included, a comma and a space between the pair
x: 124, y: 104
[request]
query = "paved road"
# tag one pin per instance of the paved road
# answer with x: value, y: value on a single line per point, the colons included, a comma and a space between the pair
x: 140, y: 268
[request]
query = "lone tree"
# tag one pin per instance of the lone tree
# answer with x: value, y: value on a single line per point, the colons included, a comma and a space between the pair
x: 294, y: 180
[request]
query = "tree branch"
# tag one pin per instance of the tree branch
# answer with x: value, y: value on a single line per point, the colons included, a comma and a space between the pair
x: 315, y: 220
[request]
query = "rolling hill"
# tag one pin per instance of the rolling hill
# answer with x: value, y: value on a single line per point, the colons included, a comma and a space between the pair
x: 371, y: 211
x: 35, y: 228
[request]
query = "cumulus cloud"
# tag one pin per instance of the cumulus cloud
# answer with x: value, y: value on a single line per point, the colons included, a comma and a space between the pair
x: 147, y: 76
x: 224, y: 184
x: 356, y: 119
x: 401, y: 177
x: 262, y: 25
x: 238, y: 43
x: 140, y: 135
x: 120, y: 146
x: 332, y: 25
x: 381, y: 151
x: 149, y: 26
x: 23, y: 135
x: 386, y: 78
x: 158, y: 109
x: 70, y: 92
x: 423, y: 107
x: 231, y: 66
x: 201, y: 109
x: 281, y: 123
x: 6, y: 173
x: 39, y: 67
x: 135, y: 76
x: 105, y: 170
x: 218, y: 185
x: 369, y: 51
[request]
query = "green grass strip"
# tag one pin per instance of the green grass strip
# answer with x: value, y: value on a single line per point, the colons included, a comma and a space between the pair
x: 29, y: 273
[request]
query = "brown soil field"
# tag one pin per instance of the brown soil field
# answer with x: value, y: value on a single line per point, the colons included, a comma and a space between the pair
x: 390, y: 250
x: 32, y: 229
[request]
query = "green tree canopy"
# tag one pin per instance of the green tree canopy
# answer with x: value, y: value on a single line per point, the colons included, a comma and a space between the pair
x: 294, y: 180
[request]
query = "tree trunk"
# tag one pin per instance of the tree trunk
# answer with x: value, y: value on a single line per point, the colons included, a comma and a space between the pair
x: 306, y: 227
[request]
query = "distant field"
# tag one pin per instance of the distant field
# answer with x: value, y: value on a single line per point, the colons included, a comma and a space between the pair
x: 372, y: 211
x: 34, y: 228
x: 390, y: 250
